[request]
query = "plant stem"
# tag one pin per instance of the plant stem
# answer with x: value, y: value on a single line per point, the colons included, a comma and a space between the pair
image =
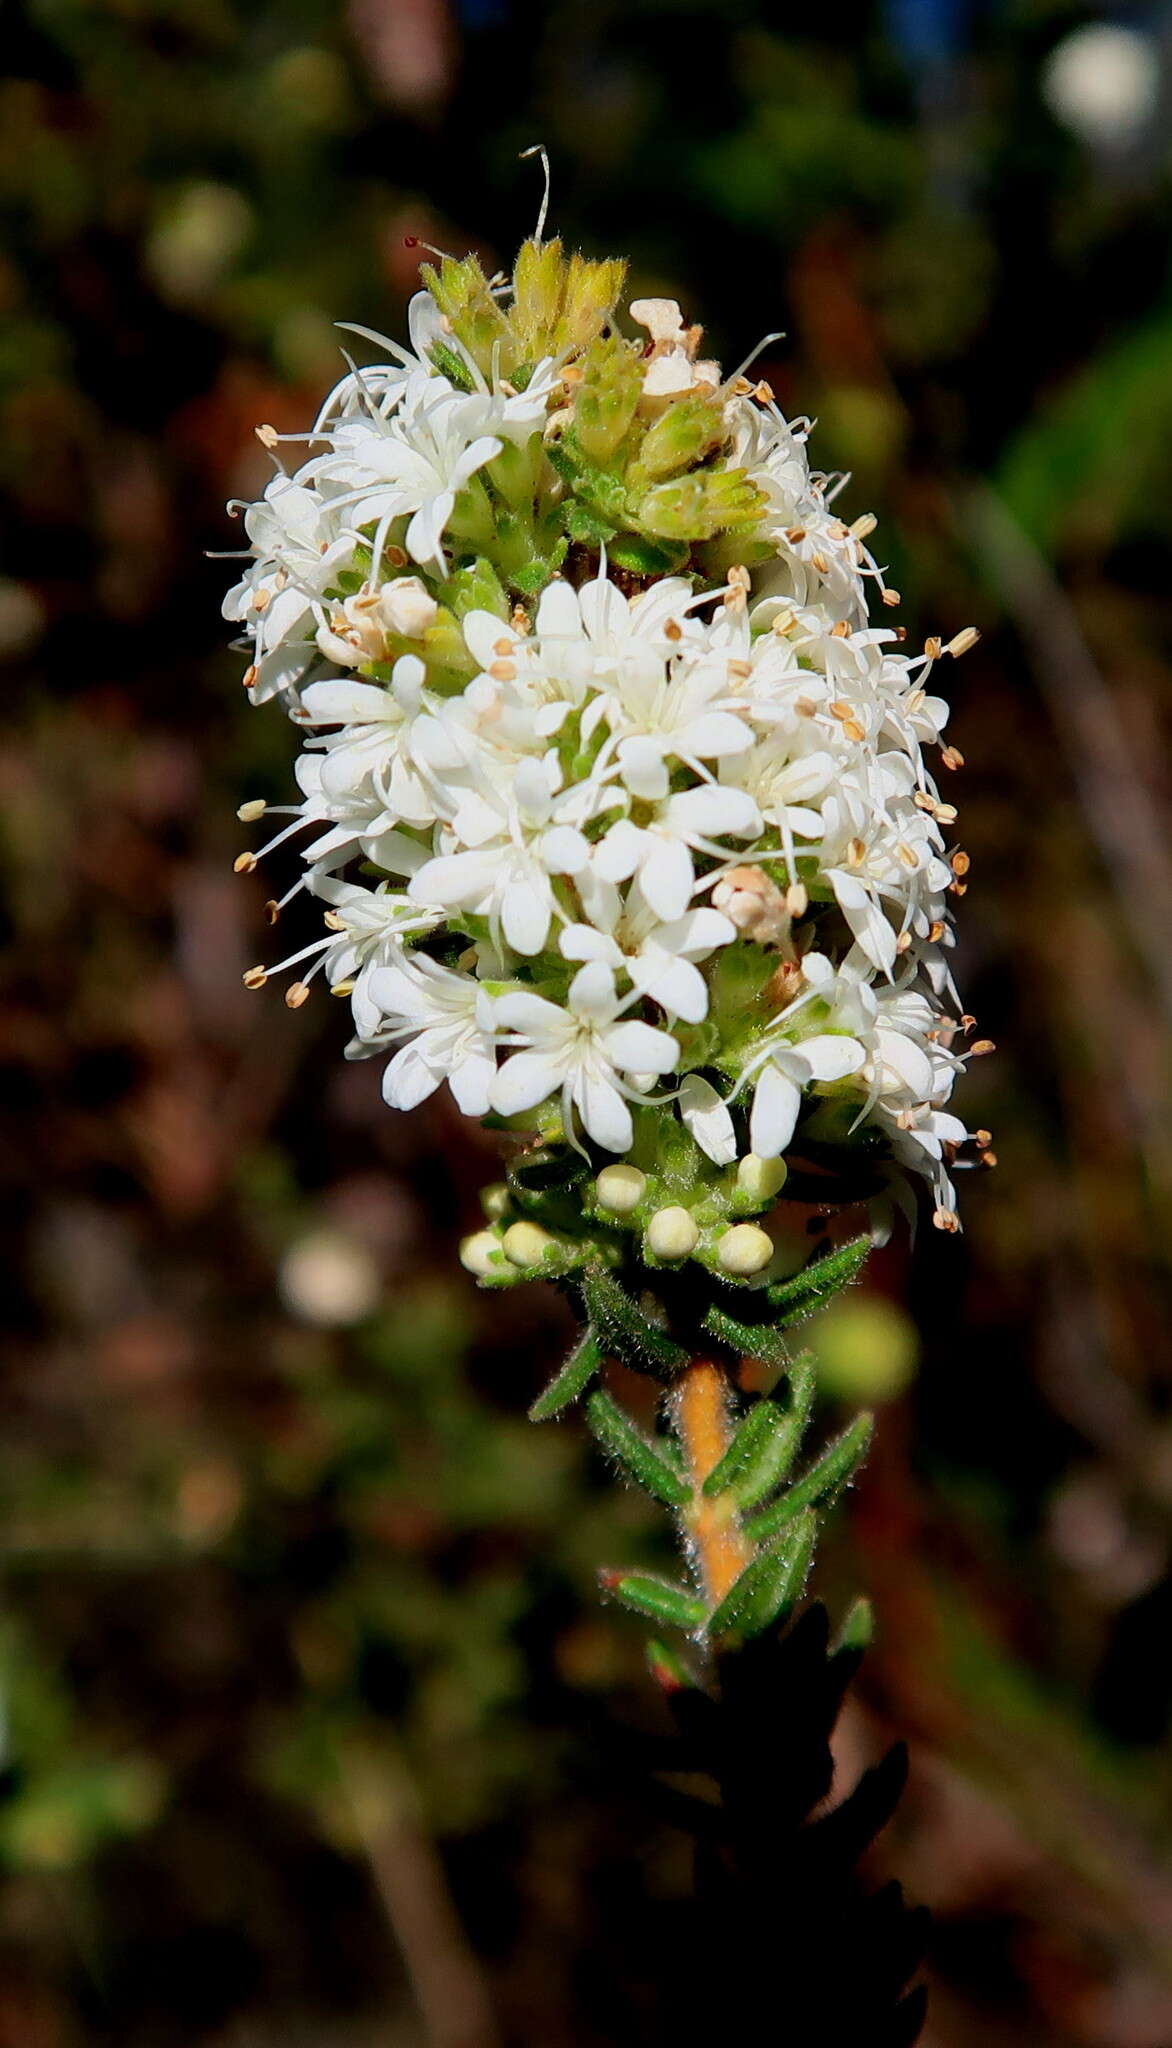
x: 712, y: 1526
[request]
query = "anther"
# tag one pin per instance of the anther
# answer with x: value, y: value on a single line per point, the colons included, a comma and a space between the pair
x: 249, y: 813
x: 960, y: 863
x: 933, y: 647
x: 256, y: 977
x: 673, y: 630
x: 250, y: 675
x: 503, y: 671
x: 946, y: 1219
x: 864, y: 525
x: 962, y: 641
x: 244, y: 864
x: 268, y: 437
x: 891, y: 598
x: 272, y: 910
x: 296, y: 994
x: 820, y: 563
x: 952, y: 757
x: 981, y: 1047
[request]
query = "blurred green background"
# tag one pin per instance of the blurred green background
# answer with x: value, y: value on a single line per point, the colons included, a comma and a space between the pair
x: 302, y: 1672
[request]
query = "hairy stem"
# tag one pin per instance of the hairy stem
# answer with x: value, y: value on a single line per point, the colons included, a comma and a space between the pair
x: 712, y: 1526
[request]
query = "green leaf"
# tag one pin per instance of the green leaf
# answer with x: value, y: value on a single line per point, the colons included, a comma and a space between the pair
x: 748, y: 1340
x: 832, y: 1471
x: 623, y: 1329
x: 770, y: 1586
x: 765, y: 1443
x: 815, y: 1285
x: 655, y: 1598
x: 618, y: 1435
x: 577, y: 1372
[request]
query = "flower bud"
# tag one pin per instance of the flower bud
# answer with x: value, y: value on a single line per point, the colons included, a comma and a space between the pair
x: 760, y: 1179
x: 526, y: 1244
x: 744, y: 1249
x: 478, y: 1251
x: 494, y: 1200
x: 672, y: 1234
x: 620, y: 1189
x: 406, y: 607
x: 683, y: 436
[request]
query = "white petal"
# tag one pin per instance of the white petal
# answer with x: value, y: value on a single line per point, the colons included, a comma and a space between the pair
x: 482, y: 630
x: 347, y: 703
x: 673, y: 983
x: 564, y: 851
x: 604, y: 1113
x: 866, y: 920
x: 643, y: 768
x: 831, y: 1056
x: 524, y: 1081
x: 592, y: 993
x: 617, y: 855
x: 708, y: 1120
x: 582, y: 942
x: 471, y: 1083
x: 409, y: 1080
x: 520, y: 1010
x: 525, y: 915
x: 714, y: 811
x: 666, y: 878
x: 715, y: 735
x: 558, y: 612
x: 640, y: 1048
x: 775, y: 1112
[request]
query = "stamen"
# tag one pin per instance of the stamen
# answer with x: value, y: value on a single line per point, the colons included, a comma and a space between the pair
x: 538, y: 149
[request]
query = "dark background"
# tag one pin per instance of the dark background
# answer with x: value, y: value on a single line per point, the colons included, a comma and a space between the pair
x: 302, y: 1670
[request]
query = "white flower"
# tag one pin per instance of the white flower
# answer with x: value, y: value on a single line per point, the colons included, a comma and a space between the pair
x: 660, y: 853
x: 449, y: 1017
x: 658, y: 958
x: 513, y: 841
x: 412, y: 465
x: 580, y: 1051
x: 785, y: 1071
x: 299, y: 552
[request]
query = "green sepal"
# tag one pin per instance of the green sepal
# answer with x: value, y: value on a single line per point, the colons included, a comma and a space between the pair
x: 643, y: 557
x: 607, y: 397
x: 618, y: 1435
x: 531, y: 578
x: 657, y: 1599
x: 816, y: 1284
x: 566, y: 1385
x: 690, y: 429
x: 601, y: 491
x: 451, y: 366
x: 765, y: 1443
x: 624, y: 1330
x: 824, y: 1478
x: 770, y: 1586
x: 586, y: 526
x: 858, y: 1626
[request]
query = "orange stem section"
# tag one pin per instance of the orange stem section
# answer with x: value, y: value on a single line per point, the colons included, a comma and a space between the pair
x: 703, y: 1428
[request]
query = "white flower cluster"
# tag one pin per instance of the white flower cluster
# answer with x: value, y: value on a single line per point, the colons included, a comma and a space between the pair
x: 645, y: 842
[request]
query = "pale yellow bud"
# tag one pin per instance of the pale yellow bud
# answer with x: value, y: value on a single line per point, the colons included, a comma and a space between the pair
x: 494, y: 1200
x: 407, y: 607
x: 672, y: 1234
x: 745, y: 1249
x: 477, y: 1251
x: 620, y: 1189
x: 760, y: 1179
x: 525, y: 1244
